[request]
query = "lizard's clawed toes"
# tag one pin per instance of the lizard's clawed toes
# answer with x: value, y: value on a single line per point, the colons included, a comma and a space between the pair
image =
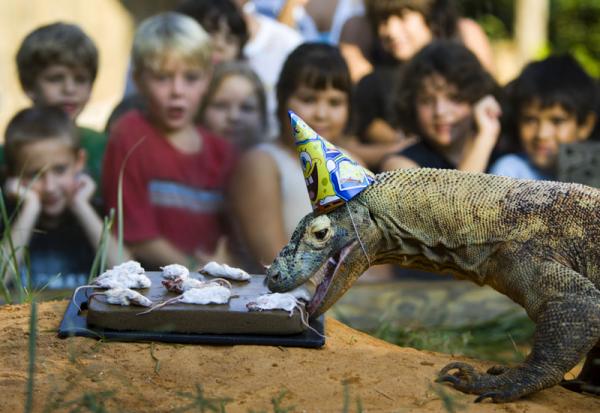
x: 464, y: 372
x: 468, y: 380
x: 497, y: 384
x: 447, y: 378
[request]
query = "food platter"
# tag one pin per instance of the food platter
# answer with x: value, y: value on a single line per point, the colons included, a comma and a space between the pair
x: 231, y: 323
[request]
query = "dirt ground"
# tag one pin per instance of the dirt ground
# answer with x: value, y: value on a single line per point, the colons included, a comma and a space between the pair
x: 150, y: 377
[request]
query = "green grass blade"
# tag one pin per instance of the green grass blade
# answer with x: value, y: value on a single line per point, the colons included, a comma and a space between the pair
x: 120, y: 216
x: 27, y: 288
x: 99, y: 263
x: 108, y: 224
x: 120, y: 200
x: 32, y: 353
x: 6, y: 235
x: 12, y: 258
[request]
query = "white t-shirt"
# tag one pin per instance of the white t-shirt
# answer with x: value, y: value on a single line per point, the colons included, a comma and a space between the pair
x: 518, y: 166
x: 295, y: 200
x: 266, y: 53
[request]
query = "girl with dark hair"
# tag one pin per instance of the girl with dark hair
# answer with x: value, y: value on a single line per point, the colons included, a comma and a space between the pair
x: 445, y: 97
x: 267, y: 198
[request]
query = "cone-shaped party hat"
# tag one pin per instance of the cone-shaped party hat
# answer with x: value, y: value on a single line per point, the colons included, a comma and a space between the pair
x: 331, y: 176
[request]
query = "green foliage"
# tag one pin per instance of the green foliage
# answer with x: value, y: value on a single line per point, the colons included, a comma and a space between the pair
x: 575, y: 28
x: 346, y: 405
x: 93, y: 402
x: 494, y: 16
x: 201, y: 403
x: 449, y: 401
x: 278, y: 403
x: 120, y: 222
x: 32, y: 353
x: 493, y: 27
x: 495, y: 340
x: 156, y: 359
x: 8, y: 263
x: 99, y: 264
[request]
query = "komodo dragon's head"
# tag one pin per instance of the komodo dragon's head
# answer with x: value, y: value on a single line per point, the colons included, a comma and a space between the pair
x: 326, y: 252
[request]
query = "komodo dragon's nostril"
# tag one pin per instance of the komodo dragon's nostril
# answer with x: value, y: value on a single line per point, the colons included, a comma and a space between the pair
x: 274, y: 276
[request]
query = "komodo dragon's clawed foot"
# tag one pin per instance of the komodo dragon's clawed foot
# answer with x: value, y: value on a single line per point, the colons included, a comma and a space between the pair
x: 467, y: 379
x: 494, y: 385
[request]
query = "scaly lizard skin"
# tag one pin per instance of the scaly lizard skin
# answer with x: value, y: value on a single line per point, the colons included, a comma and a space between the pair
x: 537, y: 242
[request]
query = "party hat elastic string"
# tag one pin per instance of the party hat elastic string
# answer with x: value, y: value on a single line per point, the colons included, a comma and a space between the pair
x: 362, y: 246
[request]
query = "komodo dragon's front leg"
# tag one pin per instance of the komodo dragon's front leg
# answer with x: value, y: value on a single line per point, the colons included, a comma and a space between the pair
x: 562, y: 338
x: 567, y: 328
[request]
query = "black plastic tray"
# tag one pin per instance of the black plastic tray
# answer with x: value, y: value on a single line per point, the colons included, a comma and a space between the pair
x: 74, y: 323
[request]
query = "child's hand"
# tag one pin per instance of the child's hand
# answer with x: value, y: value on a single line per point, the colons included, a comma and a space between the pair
x: 487, y: 116
x: 84, y: 189
x: 16, y: 189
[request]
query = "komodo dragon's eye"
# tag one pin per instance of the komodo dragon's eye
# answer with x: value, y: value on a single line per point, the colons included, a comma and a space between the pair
x: 321, y: 234
x: 320, y: 229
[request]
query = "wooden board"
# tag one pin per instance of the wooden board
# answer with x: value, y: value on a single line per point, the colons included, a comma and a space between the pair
x: 231, y: 318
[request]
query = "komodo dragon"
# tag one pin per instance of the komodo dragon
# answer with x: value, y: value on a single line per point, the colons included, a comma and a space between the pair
x: 537, y: 242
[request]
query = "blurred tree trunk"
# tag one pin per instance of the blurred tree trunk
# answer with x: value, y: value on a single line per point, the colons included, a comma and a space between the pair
x: 531, y: 27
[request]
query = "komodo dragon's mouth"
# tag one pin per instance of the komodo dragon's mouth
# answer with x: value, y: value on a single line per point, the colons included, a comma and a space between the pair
x: 326, y: 274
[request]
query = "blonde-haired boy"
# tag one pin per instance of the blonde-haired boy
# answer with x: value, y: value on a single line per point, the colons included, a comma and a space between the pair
x: 174, y: 171
x: 166, y: 36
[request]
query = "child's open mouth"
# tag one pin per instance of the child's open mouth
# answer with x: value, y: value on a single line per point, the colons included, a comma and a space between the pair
x: 69, y: 108
x: 175, y: 113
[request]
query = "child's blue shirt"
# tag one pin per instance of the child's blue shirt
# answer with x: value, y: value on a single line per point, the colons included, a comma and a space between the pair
x: 518, y: 166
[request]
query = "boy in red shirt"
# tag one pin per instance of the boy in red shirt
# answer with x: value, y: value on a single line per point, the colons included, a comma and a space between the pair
x: 174, y: 171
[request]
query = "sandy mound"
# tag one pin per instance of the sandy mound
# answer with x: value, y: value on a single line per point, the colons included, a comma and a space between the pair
x: 146, y: 377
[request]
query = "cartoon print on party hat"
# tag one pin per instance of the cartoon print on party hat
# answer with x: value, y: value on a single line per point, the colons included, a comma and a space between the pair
x: 331, y: 176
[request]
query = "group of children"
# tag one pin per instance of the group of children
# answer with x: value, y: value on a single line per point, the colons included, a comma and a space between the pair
x: 191, y: 165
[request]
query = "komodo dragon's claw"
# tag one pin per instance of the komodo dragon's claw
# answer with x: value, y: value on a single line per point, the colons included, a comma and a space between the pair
x: 448, y: 378
x: 464, y: 369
